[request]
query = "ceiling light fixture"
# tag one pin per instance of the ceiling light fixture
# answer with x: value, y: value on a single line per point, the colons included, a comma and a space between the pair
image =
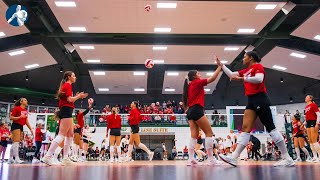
x: 77, y: 29
x: 162, y: 30
x: 279, y: 67
x: 31, y: 66
x: 65, y: 4
x: 93, y: 60
x: 246, y: 30
x: 167, y: 5
x: 266, y: 6
x: 99, y: 73
x: 14, y: 53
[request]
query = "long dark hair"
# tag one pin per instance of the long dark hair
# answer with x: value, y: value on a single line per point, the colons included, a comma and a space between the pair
x: 136, y: 103
x: 56, y: 115
x: 254, y: 55
x: 18, y: 102
x: 66, y: 75
x: 311, y: 97
x: 191, y: 77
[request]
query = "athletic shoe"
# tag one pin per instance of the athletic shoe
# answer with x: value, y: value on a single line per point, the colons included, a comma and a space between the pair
x: 66, y: 162
x: 229, y: 159
x: 18, y: 161
x: 120, y: 160
x: 74, y: 159
x: 151, y: 156
x: 35, y: 161
x: 111, y: 161
x: 214, y: 162
x: 11, y: 161
x: 285, y: 162
x: 128, y: 159
x: 47, y: 160
x: 298, y: 160
x: 309, y: 159
x: 192, y: 162
x: 56, y: 162
x: 315, y: 160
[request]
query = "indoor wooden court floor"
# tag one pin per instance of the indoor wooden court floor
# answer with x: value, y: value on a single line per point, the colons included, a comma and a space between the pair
x: 159, y: 170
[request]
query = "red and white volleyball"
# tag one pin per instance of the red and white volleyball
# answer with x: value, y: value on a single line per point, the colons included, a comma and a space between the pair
x: 90, y: 101
x: 147, y: 8
x: 149, y: 63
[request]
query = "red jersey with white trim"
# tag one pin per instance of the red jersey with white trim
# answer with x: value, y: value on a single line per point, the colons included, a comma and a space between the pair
x: 310, y: 112
x: 250, y: 88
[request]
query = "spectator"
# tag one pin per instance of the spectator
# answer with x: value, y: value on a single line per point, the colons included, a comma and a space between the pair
x: 164, y: 151
x: 228, y: 144
x: 185, y: 152
x: 92, y: 117
x: 97, y: 153
x: 164, y: 105
x: 174, y: 152
x: 174, y: 104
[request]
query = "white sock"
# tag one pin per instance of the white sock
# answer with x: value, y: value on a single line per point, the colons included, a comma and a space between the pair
x: 77, y: 151
x: 57, y: 152
x: 73, y: 152
x: 283, y: 149
x: 209, y: 147
x: 52, y: 148
x: 11, y: 152
x: 242, y: 142
x: 305, y: 152
x: 314, y: 152
x: 144, y: 147
x: 199, y: 153
x: 66, y: 147
x: 111, y: 152
x: 16, y: 150
x: 279, y: 140
x: 83, y: 153
x: 191, y: 148
x: 297, y: 152
x: 317, y: 148
x: 130, y: 150
x: 119, y: 151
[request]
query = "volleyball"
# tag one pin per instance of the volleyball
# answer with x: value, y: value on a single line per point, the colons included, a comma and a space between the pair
x: 90, y: 101
x: 147, y: 8
x: 149, y: 63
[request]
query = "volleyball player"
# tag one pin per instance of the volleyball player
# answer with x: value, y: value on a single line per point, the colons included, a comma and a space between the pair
x: 298, y: 138
x: 4, y: 139
x: 312, y: 125
x: 19, y: 118
x: 258, y: 105
x: 66, y: 129
x: 134, y: 121
x: 86, y: 136
x: 78, y: 142
x: 193, y: 101
x: 114, y: 123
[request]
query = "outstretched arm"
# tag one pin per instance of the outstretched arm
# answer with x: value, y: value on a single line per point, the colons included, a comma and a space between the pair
x: 12, y: 17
